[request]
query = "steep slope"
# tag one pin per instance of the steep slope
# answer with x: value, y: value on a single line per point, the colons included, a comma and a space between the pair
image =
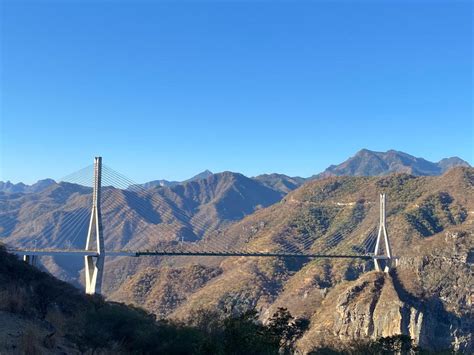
x: 42, y: 315
x: 427, y: 297
x: 370, y: 163
x: 423, y: 215
x: 227, y: 195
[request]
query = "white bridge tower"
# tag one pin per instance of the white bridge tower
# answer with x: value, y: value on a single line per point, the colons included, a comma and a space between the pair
x: 383, y: 259
x: 94, y: 264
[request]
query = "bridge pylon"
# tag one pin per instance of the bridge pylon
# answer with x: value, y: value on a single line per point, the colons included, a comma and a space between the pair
x: 383, y: 258
x: 94, y: 264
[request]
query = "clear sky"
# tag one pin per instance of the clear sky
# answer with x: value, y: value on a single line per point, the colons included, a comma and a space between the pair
x: 165, y: 89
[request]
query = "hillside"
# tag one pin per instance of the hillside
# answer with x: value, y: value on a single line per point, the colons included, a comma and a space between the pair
x: 132, y: 219
x: 426, y: 214
x: 370, y: 163
x: 430, y: 220
x: 42, y: 315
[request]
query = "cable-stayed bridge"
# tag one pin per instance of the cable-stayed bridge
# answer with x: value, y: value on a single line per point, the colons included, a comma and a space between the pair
x: 160, y: 227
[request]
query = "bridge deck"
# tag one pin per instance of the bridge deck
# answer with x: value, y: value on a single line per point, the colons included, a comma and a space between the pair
x: 79, y: 252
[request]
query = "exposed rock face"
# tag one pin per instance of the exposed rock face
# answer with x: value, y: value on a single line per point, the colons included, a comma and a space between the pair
x: 439, y: 285
x: 428, y: 298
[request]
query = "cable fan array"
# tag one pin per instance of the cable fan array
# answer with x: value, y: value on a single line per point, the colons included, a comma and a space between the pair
x: 138, y: 219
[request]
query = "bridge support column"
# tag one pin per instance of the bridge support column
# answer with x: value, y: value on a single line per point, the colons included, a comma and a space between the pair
x: 382, y: 260
x: 94, y: 264
x: 31, y: 259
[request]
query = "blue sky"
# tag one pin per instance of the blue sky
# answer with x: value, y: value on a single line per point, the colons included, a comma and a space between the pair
x: 165, y: 89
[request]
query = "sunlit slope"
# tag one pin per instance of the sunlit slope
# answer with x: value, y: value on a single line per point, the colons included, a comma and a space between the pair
x: 420, y: 211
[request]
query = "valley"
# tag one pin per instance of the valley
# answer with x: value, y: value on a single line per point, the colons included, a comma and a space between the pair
x: 427, y: 214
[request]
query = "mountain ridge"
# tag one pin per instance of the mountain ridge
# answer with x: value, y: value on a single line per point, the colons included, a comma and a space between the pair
x: 364, y: 163
x: 372, y: 163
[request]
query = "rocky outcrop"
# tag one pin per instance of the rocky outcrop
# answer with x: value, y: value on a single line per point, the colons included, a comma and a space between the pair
x: 428, y: 298
x: 439, y: 286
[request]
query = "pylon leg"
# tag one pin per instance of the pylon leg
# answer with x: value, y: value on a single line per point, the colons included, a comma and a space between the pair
x: 382, y: 233
x: 94, y: 264
x: 377, y: 265
x: 94, y: 273
x: 31, y: 259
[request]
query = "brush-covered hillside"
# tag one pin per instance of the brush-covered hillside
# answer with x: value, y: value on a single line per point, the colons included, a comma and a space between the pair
x: 42, y: 315
x: 431, y: 225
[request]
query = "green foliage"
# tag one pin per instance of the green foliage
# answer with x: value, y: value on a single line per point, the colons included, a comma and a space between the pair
x: 401, y: 187
x: 394, y: 345
x: 286, y: 329
x: 436, y: 213
x: 99, y: 326
x: 244, y: 334
x: 398, y: 344
x: 314, y: 221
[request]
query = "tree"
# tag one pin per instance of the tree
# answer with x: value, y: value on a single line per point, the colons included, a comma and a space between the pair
x: 284, y: 327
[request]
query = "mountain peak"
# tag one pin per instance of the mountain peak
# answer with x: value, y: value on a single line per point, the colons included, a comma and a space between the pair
x: 448, y: 163
x: 371, y: 163
x: 202, y: 175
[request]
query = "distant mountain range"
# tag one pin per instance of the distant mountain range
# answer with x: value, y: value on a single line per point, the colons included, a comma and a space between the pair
x: 363, y: 163
x: 166, y: 183
x: 39, y: 186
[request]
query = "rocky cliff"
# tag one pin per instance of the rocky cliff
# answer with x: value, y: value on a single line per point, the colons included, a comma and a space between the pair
x: 428, y: 298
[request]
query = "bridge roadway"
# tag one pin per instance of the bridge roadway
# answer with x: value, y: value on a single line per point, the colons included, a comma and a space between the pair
x: 81, y: 252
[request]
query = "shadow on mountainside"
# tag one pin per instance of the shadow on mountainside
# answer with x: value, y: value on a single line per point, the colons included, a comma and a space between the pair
x: 437, y: 322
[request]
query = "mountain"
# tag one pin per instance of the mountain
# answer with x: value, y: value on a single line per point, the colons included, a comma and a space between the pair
x: 39, y: 186
x: 166, y: 183
x: 132, y: 219
x: 155, y: 183
x: 427, y: 297
x: 370, y: 163
x: 448, y: 163
x: 203, y: 175
x: 364, y: 163
x: 430, y: 221
x: 280, y: 182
